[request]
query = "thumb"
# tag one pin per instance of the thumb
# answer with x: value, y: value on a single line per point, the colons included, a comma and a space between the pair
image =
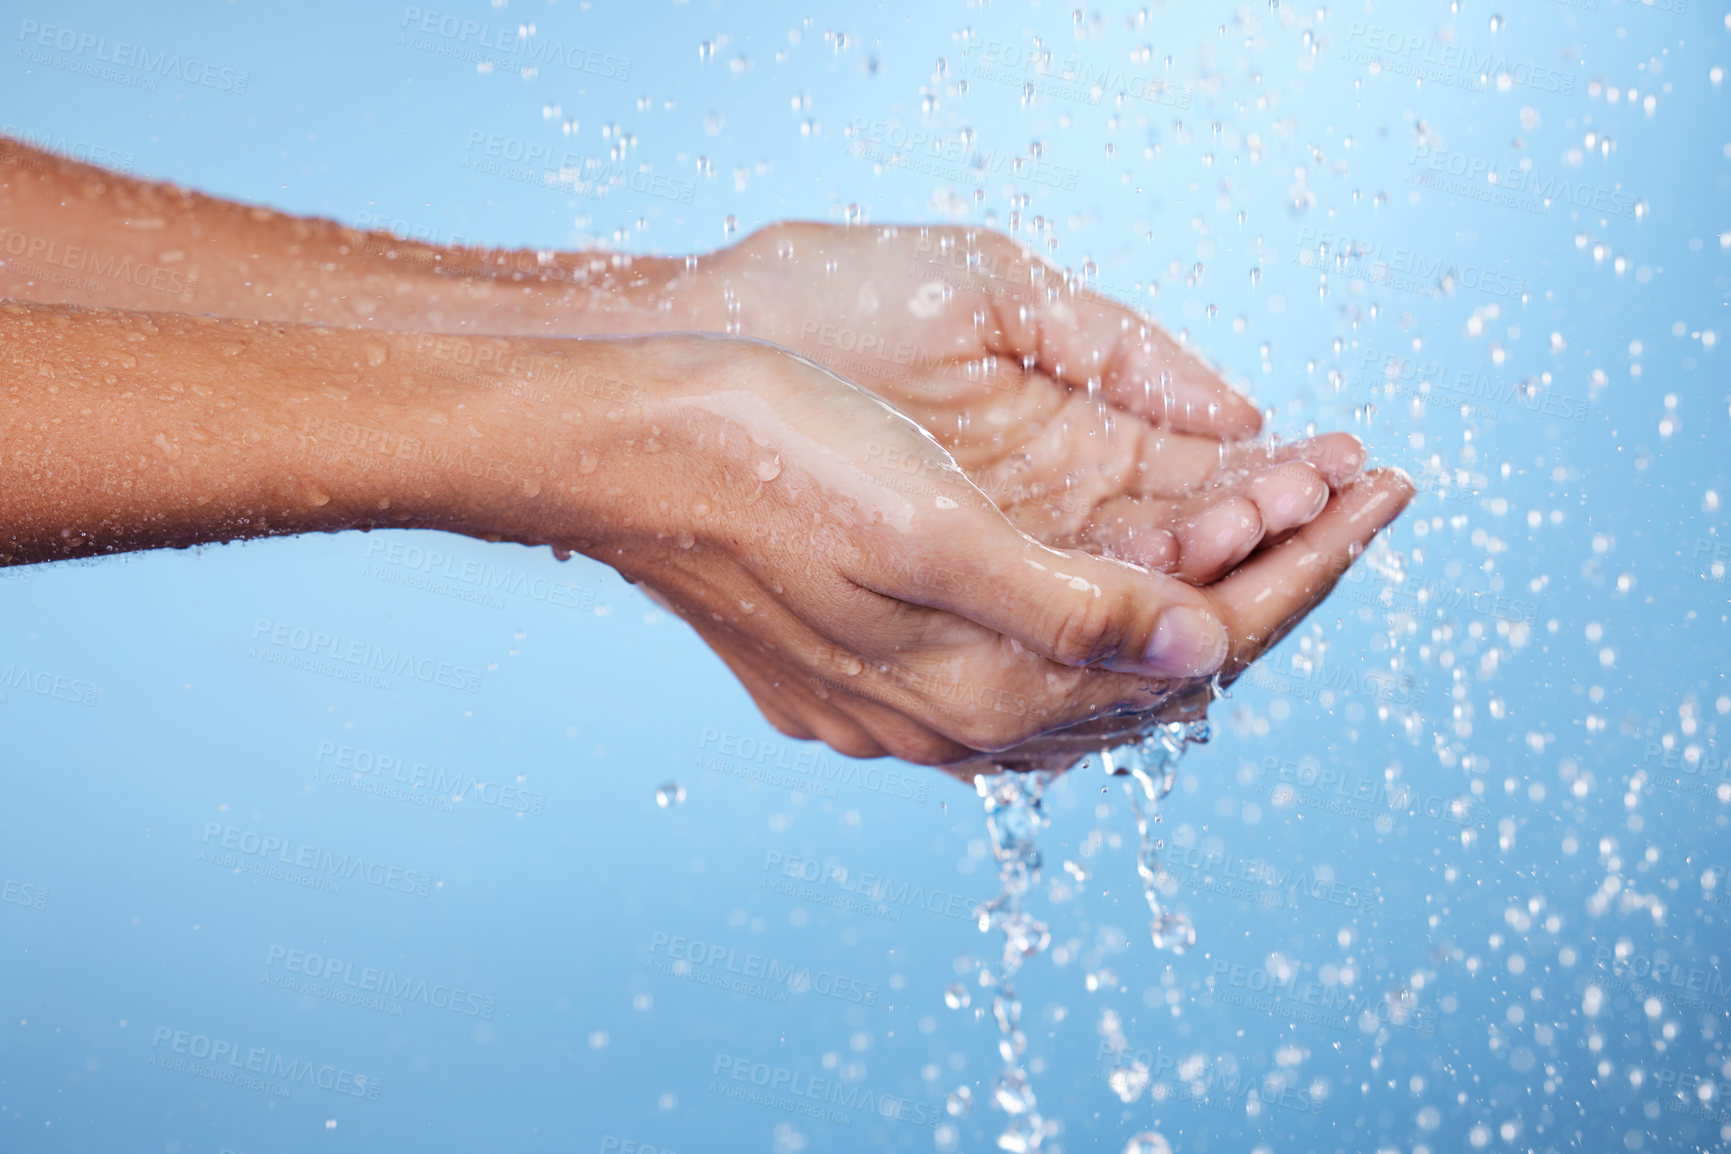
x: 1069, y: 606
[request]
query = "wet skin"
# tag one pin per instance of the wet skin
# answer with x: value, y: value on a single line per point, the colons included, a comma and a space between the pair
x: 1084, y: 542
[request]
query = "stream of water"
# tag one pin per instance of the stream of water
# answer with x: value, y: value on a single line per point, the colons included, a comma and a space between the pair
x: 1015, y: 814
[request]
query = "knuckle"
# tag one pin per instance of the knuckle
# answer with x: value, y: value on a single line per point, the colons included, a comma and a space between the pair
x: 1081, y: 630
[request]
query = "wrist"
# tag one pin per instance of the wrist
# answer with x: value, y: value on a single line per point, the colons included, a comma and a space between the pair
x: 520, y: 291
x: 539, y: 438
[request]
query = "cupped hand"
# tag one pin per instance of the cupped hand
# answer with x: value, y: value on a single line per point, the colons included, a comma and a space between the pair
x: 1260, y: 603
x: 880, y: 612
x: 1086, y: 423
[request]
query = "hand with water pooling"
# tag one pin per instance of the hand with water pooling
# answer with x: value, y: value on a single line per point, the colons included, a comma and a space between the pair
x: 868, y: 592
x: 743, y: 486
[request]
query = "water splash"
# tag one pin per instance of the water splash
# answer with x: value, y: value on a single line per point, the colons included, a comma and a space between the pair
x: 1014, y: 817
x: 1152, y: 766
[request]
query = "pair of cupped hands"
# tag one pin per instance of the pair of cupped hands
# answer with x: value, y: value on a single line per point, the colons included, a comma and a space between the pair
x: 947, y: 507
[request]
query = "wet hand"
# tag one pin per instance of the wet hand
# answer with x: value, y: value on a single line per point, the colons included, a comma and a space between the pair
x: 1260, y: 602
x: 880, y: 612
x: 1086, y: 423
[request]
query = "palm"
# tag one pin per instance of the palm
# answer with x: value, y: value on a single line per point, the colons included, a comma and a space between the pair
x: 1087, y: 425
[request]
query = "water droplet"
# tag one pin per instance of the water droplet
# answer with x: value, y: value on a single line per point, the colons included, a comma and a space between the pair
x: 769, y: 469
x: 956, y: 997
x: 670, y: 795
x: 1148, y: 1142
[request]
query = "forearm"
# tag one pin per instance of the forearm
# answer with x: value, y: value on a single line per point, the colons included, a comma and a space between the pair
x: 71, y: 233
x: 132, y: 431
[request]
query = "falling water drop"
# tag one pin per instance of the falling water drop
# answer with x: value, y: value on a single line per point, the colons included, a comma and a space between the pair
x: 670, y: 795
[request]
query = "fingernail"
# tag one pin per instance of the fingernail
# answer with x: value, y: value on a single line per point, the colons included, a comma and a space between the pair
x: 1186, y: 643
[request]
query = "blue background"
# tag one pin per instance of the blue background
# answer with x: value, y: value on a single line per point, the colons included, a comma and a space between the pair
x: 1476, y: 805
